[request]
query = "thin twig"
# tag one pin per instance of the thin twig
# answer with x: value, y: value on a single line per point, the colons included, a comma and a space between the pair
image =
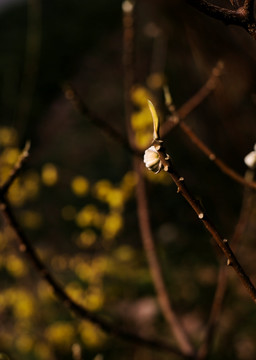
x: 128, y: 7
x: 195, y: 100
x: 243, y: 16
x: 84, y: 110
x: 216, y: 160
x: 79, y: 310
x: 222, y: 278
x: 141, y: 197
x: 194, y: 138
x: 154, y: 265
x: 16, y: 169
x: 202, y: 215
x: 214, y: 313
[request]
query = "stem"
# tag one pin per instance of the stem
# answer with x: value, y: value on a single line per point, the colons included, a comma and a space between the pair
x: 220, y: 241
x: 79, y: 310
x: 154, y: 265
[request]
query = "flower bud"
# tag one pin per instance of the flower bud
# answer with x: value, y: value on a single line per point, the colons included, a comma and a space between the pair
x: 152, y: 160
x: 250, y: 159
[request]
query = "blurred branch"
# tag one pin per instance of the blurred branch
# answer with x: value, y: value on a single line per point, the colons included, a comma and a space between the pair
x: 212, y: 157
x: 222, y: 278
x: 108, y: 129
x: 195, y: 100
x: 128, y: 7
x: 202, y: 215
x: 189, y: 106
x: 79, y: 310
x: 243, y: 16
x: 154, y: 265
x: 16, y: 169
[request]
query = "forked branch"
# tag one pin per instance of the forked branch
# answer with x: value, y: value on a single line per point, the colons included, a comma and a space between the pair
x: 243, y: 16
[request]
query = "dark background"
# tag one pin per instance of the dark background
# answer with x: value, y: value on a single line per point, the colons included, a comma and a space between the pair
x: 45, y: 45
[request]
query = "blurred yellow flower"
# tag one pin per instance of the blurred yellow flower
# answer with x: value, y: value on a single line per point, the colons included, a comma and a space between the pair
x: 24, y: 305
x: 86, y: 238
x: 102, y: 188
x: 140, y: 96
x: 8, y: 136
x: 15, y: 266
x: 24, y: 343
x: 49, y: 174
x: 115, y: 198
x: 91, y: 335
x: 112, y: 225
x: 80, y: 186
x: 89, y: 216
x: 60, y: 333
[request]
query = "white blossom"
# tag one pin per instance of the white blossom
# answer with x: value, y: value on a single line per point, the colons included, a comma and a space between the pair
x: 250, y: 159
x: 152, y: 160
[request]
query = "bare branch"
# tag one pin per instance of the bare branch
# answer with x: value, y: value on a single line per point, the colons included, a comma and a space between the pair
x: 154, y: 265
x: 243, y: 16
x: 194, y: 101
x: 16, y: 169
x: 202, y: 215
x: 229, y: 17
x: 216, y: 160
x: 215, y: 312
x: 79, y: 310
x: 83, y: 109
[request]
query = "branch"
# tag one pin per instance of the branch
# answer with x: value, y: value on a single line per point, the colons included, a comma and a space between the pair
x: 141, y: 196
x: 243, y: 16
x: 184, y: 111
x: 202, y: 215
x: 108, y: 129
x: 16, y: 169
x: 247, y: 206
x: 154, y: 265
x: 216, y: 160
x: 79, y: 310
x: 194, y: 101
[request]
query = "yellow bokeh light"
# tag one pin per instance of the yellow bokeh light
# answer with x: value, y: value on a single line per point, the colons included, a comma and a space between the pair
x: 87, y: 238
x: 49, y: 174
x: 89, y: 216
x: 140, y: 96
x: 91, y: 335
x: 60, y: 333
x: 15, y: 266
x: 115, y: 198
x: 112, y: 225
x: 102, y: 188
x: 8, y: 136
x: 80, y: 186
x: 24, y: 343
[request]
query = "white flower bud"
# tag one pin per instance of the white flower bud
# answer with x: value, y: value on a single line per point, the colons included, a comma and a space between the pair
x: 152, y: 160
x: 250, y: 159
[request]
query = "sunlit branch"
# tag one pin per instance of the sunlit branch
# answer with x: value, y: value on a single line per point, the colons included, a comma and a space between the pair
x: 220, y: 291
x: 202, y: 215
x: 243, y: 16
x: 16, y: 169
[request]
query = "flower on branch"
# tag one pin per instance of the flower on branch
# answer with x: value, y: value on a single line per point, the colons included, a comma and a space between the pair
x: 250, y: 159
x: 152, y: 160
